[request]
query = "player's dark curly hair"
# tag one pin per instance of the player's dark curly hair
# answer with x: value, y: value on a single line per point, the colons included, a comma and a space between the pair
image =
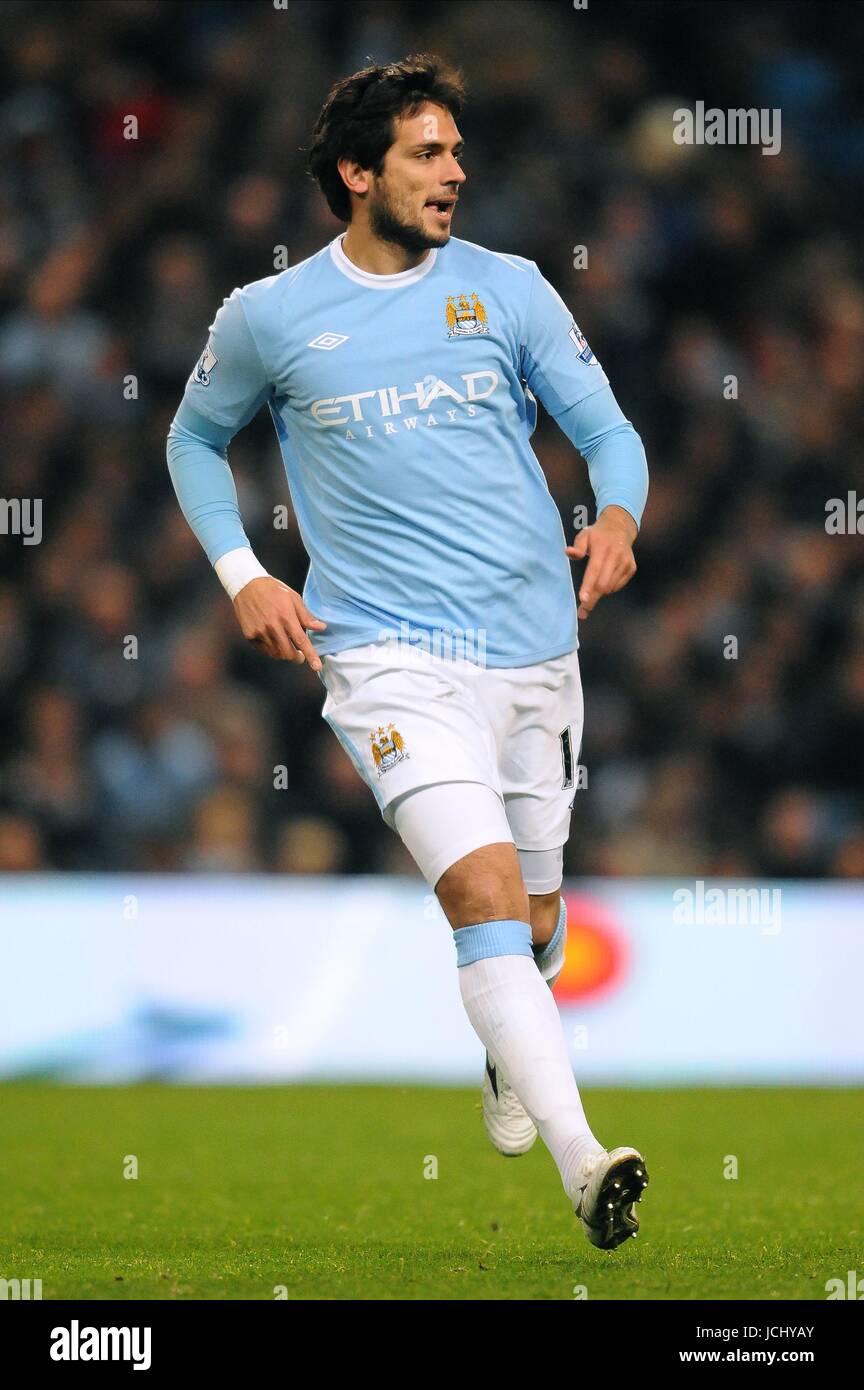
x: 356, y: 120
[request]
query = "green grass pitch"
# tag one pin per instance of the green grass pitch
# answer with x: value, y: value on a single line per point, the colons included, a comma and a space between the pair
x: 321, y: 1189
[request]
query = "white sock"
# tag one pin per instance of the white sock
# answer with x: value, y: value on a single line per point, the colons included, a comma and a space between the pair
x: 513, y: 1013
x: 549, y: 959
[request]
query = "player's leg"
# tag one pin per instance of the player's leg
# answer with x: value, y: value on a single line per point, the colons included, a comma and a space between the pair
x: 543, y: 874
x: 545, y: 909
x: 481, y: 886
x: 509, y: 1126
x: 473, y: 889
x: 537, y: 715
x: 608, y: 1183
x: 505, y: 996
x: 421, y: 739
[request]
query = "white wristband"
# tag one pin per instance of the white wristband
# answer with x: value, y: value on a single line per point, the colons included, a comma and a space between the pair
x: 237, y: 568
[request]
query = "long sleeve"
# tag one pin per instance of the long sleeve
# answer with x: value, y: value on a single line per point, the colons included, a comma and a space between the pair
x: 612, y: 449
x: 562, y: 371
x: 224, y: 392
x: 203, y: 482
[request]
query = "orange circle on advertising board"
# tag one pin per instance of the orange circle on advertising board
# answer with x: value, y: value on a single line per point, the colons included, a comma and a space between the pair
x: 597, y: 953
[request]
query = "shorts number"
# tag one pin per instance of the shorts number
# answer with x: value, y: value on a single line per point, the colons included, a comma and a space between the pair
x: 566, y: 757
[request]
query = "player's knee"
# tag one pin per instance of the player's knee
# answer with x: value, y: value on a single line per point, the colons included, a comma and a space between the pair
x: 484, y: 886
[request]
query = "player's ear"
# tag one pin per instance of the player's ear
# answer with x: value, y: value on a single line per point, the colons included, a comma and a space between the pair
x: 354, y: 176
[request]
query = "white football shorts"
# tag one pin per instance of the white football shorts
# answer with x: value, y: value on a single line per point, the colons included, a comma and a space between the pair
x: 497, y: 747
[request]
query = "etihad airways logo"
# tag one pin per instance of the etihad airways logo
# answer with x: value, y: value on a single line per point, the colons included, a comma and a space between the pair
x: 385, y: 402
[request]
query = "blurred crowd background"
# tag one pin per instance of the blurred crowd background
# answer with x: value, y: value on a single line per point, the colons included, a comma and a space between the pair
x: 703, y: 262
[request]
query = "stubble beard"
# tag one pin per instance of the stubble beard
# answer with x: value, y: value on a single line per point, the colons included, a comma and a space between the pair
x: 387, y: 225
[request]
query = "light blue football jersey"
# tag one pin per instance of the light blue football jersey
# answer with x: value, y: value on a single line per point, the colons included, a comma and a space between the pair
x: 404, y: 406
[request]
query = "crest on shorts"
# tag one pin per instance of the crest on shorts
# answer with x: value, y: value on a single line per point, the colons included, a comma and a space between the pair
x: 388, y: 748
x: 465, y: 317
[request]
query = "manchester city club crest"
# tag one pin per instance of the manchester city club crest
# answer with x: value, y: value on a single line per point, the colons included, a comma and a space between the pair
x: 388, y: 748
x: 465, y: 317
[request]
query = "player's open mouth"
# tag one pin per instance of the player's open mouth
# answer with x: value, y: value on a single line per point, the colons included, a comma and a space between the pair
x: 442, y: 207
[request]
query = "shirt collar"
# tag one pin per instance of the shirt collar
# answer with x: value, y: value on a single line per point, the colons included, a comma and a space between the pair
x: 379, y: 282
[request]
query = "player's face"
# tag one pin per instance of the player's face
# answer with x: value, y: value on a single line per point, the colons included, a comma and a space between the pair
x: 413, y: 199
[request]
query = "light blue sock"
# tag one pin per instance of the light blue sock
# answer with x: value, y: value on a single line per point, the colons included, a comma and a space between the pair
x: 485, y: 939
x: 549, y: 959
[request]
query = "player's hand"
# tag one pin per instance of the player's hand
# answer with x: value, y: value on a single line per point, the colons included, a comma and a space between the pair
x: 608, y: 546
x: 273, y: 618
